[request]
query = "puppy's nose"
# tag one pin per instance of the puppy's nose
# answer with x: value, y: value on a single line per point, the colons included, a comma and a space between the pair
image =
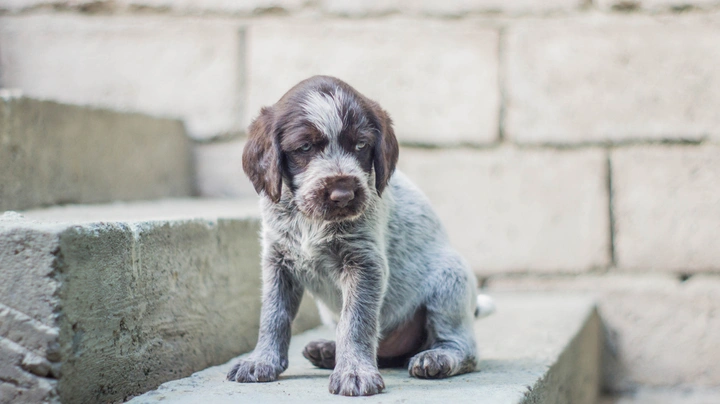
x: 341, y: 196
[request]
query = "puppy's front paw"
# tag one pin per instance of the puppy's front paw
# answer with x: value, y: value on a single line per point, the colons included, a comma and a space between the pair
x: 432, y: 364
x: 356, y: 381
x: 251, y: 371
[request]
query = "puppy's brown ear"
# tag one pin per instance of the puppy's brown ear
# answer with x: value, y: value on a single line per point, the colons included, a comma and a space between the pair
x: 386, y: 150
x: 261, y: 156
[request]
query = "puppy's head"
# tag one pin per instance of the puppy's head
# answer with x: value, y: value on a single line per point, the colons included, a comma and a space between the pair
x: 333, y: 148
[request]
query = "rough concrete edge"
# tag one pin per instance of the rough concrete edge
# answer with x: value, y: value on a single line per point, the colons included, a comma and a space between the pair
x: 567, y: 380
x: 11, y: 96
x: 34, y: 343
x: 34, y: 336
x: 26, y: 381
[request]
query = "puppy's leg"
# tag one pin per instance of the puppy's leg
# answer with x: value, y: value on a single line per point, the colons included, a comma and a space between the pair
x: 356, y: 372
x: 281, y: 299
x: 450, y: 306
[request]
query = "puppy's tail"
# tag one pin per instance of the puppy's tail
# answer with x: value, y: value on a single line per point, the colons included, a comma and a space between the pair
x: 485, y: 306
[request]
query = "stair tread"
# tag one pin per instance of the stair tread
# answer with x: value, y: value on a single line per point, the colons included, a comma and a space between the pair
x: 518, y: 346
x: 154, y: 210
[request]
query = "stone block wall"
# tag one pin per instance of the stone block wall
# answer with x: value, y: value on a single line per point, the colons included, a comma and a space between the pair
x: 566, y: 144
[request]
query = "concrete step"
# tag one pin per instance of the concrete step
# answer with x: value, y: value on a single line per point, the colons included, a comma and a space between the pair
x: 88, y: 155
x: 666, y: 395
x: 100, y: 303
x: 535, y: 349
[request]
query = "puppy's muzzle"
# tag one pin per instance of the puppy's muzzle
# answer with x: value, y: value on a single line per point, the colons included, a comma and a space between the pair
x: 342, y: 191
x: 344, y: 197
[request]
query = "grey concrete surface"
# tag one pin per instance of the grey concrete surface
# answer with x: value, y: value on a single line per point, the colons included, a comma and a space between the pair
x: 535, y: 349
x: 52, y: 153
x: 110, y: 301
x: 664, y: 330
x: 666, y: 395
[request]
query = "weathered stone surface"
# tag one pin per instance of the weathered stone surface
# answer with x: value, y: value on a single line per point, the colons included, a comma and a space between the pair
x: 28, y: 268
x: 189, y: 68
x: 31, y: 334
x: 510, y: 210
x: 145, y: 292
x: 438, y: 80
x: 666, y: 204
x: 193, y: 305
x: 655, y: 5
x: 450, y: 8
x: 612, y: 79
x: 667, y: 395
x: 16, y: 384
x: 52, y: 153
x: 219, y: 172
x: 664, y: 331
x: 535, y: 349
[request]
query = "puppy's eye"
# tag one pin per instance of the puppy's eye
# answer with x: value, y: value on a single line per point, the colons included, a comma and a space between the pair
x: 306, y: 147
x: 360, y: 145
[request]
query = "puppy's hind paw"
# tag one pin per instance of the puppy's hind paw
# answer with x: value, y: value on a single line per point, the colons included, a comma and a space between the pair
x: 438, y: 364
x: 321, y: 353
x: 356, y: 382
x: 250, y: 371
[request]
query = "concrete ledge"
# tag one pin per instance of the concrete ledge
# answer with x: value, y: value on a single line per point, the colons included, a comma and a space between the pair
x: 536, y: 349
x: 663, y: 331
x: 88, y: 155
x: 113, y: 300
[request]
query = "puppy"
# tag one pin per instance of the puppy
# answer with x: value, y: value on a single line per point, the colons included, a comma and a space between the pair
x: 340, y: 222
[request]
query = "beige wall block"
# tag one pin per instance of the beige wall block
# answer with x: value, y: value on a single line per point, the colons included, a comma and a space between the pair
x: 219, y: 171
x: 438, y: 80
x: 655, y: 5
x: 17, y: 5
x: 447, y: 7
x: 666, y: 203
x: 513, y: 210
x: 243, y: 7
x: 665, y: 332
x: 158, y: 65
x: 612, y: 78
x: 343, y: 7
x: 218, y: 6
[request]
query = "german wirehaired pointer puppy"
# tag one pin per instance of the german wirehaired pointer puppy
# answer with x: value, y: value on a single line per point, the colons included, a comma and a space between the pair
x: 341, y: 222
